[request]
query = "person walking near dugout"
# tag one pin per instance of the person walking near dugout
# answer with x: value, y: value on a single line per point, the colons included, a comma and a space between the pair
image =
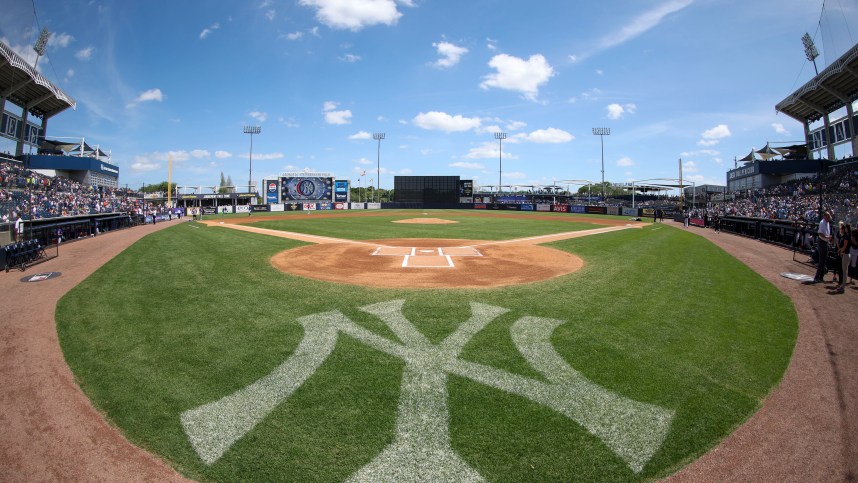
x: 823, y: 237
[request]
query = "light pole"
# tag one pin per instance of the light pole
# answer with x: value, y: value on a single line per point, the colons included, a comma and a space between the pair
x: 378, y: 137
x: 602, y: 132
x: 251, y: 130
x: 500, y: 136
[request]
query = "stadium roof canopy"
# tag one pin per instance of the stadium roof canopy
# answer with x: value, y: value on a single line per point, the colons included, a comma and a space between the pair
x: 832, y: 89
x: 23, y: 85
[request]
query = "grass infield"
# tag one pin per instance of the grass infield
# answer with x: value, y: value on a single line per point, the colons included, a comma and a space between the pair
x: 192, y: 314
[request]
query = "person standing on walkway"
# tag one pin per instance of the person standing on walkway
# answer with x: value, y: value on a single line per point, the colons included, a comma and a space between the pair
x: 843, y: 245
x: 823, y: 237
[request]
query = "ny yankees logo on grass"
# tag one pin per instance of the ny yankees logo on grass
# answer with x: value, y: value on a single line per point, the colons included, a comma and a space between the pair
x: 421, y: 449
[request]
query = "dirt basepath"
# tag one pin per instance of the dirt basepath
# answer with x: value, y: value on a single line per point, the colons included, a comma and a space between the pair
x: 50, y: 431
x: 806, y: 431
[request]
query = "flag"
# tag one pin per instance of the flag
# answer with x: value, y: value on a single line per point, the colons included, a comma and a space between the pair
x: 364, y: 173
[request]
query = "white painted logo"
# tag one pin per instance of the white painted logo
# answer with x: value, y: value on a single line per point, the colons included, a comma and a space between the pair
x: 421, y: 450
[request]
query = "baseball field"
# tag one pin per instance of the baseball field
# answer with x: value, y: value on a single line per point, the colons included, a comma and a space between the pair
x: 431, y: 346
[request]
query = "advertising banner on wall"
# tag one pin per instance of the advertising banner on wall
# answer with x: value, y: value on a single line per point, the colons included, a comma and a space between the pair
x: 224, y: 209
x: 613, y: 210
x: 466, y: 191
x: 480, y: 206
x: 277, y: 207
x: 325, y: 206
x: 341, y: 206
x: 341, y: 190
x: 306, y: 189
x: 648, y: 212
x: 630, y: 212
x: 309, y: 206
x: 560, y: 208
x: 373, y: 206
x: 577, y: 209
x: 596, y: 210
x: 543, y: 207
x: 358, y: 206
x: 271, y: 195
x: 259, y: 208
x: 242, y: 209
x: 527, y: 207
x: 209, y: 210
x: 293, y: 206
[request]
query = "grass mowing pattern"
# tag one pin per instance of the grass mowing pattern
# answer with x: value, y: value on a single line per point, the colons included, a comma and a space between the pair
x: 186, y: 316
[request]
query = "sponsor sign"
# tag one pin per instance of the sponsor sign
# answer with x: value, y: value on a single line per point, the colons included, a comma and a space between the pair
x: 696, y: 222
x: 305, y: 189
x: 309, y: 206
x: 242, y: 209
x: 648, y: 212
x: 613, y: 210
x: 463, y: 199
x: 527, y: 207
x: 630, y: 212
x: 325, y: 206
x: 209, y: 210
x: 341, y: 190
x: 480, y: 206
x: 271, y: 195
x: 466, y: 188
x: 293, y: 206
x: 259, y: 208
x: 373, y: 206
x: 224, y: 209
x: 560, y: 208
x: 277, y: 207
x: 341, y: 206
x: 543, y: 207
x: 596, y: 210
x: 577, y: 209
x: 358, y: 206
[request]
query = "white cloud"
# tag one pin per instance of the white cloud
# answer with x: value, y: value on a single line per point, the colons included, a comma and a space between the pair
x: 332, y: 116
x: 441, y: 121
x: 515, y: 125
x: 365, y: 162
x: 84, y: 54
x: 350, y: 58
x: 689, y: 167
x: 259, y: 116
x: 625, y: 161
x: 701, y: 152
x: 617, y: 111
x: 354, y: 15
x: 270, y: 14
x: 360, y: 135
x: 711, y: 137
x: 147, y: 96
x: 519, y: 75
x: 637, y: 26
x: 491, y: 44
x: 143, y: 164
x: 780, y: 129
x: 200, y: 153
x: 466, y: 165
x: 264, y: 156
x: 223, y: 154
x: 450, y: 54
x: 294, y: 35
x: 488, y: 150
x: 208, y: 30
x: 514, y: 175
x: 548, y: 136
x: 60, y: 40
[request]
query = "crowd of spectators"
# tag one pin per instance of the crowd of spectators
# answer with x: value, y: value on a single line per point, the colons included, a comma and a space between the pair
x: 31, y: 195
x: 797, y: 200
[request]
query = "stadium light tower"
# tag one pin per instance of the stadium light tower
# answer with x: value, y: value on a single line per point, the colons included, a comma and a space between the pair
x: 810, y: 50
x: 41, y: 44
x: 251, y: 130
x: 500, y: 136
x: 602, y: 132
x: 378, y: 137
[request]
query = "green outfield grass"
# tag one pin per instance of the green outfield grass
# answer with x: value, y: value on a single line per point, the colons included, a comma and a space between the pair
x: 192, y: 314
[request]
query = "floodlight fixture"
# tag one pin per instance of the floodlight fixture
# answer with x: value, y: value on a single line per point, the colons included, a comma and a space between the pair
x: 602, y: 132
x: 810, y: 50
x: 378, y: 137
x: 251, y: 130
x: 500, y: 136
x: 41, y: 44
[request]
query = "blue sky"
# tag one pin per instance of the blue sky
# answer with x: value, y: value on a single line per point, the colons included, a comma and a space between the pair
x: 690, y: 79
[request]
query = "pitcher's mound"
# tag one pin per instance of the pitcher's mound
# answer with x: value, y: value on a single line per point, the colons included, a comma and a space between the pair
x: 427, y: 263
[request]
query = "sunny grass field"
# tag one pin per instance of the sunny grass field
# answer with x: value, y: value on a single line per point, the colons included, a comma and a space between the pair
x: 191, y: 314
